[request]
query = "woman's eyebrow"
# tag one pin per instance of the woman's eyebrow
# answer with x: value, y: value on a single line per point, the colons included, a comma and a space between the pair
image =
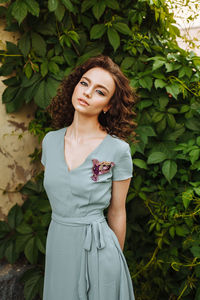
x: 99, y: 85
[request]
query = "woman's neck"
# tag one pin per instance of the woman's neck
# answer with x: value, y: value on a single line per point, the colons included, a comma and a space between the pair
x: 84, y: 127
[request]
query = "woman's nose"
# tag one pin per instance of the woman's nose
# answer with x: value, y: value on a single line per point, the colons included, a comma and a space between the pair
x: 88, y: 92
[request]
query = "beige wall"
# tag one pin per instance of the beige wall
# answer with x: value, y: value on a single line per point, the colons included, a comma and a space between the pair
x: 15, y: 166
x: 193, y: 34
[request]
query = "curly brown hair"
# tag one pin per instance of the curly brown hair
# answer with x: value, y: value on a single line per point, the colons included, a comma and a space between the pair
x: 118, y: 120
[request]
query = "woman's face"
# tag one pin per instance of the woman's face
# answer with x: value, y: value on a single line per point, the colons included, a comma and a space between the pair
x: 93, y: 92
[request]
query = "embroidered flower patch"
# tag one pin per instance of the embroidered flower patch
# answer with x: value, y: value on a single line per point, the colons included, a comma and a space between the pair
x: 100, y: 168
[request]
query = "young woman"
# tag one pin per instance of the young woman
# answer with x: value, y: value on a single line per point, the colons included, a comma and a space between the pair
x: 88, y: 167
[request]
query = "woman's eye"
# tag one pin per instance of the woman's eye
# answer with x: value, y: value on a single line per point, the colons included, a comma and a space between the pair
x: 100, y: 92
x: 83, y: 83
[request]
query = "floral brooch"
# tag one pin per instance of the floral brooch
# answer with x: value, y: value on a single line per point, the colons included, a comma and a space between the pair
x: 100, y: 168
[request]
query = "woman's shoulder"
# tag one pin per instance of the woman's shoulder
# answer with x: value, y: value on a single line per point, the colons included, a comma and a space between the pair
x: 120, y: 151
x: 50, y: 135
x: 119, y: 142
x: 119, y: 145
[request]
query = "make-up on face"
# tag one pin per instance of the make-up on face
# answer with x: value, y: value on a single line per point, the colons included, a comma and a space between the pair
x: 93, y: 92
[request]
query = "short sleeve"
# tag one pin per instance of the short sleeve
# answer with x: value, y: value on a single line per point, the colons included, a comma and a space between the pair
x: 123, y: 168
x: 43, y: 157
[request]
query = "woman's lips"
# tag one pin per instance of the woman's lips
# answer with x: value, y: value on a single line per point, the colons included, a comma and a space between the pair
x: 83, y: 102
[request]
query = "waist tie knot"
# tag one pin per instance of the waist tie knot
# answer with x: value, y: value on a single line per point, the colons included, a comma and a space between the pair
x: 93, y: 231
x: 95, y: 228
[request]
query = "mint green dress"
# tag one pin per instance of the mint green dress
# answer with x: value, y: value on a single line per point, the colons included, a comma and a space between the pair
x: 83, y: 259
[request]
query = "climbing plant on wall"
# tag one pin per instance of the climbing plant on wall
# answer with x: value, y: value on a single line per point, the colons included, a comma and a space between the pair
x: 163, y: 204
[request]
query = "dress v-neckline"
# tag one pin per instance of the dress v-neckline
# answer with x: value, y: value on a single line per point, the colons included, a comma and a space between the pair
x: 87, y: 157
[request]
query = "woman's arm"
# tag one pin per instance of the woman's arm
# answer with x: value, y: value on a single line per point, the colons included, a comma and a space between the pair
x: 117, y: 209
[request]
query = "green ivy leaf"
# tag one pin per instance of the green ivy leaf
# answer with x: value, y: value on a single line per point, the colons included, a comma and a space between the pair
x: 12, y: 48
x: 60, y: 12
x: 46, y: 28
x: 44, y: 68
x: 19, y: 11
x: 144, y: 132
x: 90, y: 53
x: 97, y: 31
x: 187, y: 197
x: 28, y: 70
x: 21, y: 241
x: 3, y: 247
x: 193, y: 124
x: 195, y: 251
x: 140, y: 163
x: 69, y: 56
x: 172, y: 231
x: 24, y: 228
x: 58, y: 59
x: 157, y: 64
x: 171, y: 120
x: 16, y: 103
x: 169, y: 169
x: 30, y: 92
x: 51, y: 87
x: 198, y: 140
x: 68, y: 5
x: 127, y: 62
x: 31, y: 251
x: 12, y: 81
x: 161, y: 125
x: 33, y: 7
x: 194, y: 155
x: 10, y: 252
x: 185, y: 71
x: 156, y: 157
x: 173, y: 89
x: 157, y: 116
x: 87, y: 4
x: 112, y: 4
x: 40, y: 97
x: 146, y: 82
x: 182, y: 230
x: 163, y: 101
x: 144, y: 104
x: 52, y: 5
x: 172, y: 66
x: 197, y: 190
x: 41, y: 243
x: 53, y: 67
x: 178, y: 131
x: 173, y: 110
x: 46, y: 219
x: 122, y: 28
x: 31, y: 286
x: 25, y: 44
x: 113, y: 38
x: 4, y: 228
x: 98, y: 9
x: 38, y: 44
x: 159, y: 83
x: 29, y: 82
x: 9, y: 93
x: 184, y: 108
x: 74, y: 36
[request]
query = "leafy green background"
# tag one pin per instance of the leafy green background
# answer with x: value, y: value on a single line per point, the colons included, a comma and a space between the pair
x: 163, y: 205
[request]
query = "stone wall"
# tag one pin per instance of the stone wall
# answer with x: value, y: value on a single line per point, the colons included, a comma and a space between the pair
x: 16, y: 143
x: 193, y: 34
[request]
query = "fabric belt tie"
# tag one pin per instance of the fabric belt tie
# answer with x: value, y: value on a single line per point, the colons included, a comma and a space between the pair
x: 93, y: 231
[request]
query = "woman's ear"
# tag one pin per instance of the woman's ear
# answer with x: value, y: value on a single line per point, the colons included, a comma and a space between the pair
x: 107, y: 107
